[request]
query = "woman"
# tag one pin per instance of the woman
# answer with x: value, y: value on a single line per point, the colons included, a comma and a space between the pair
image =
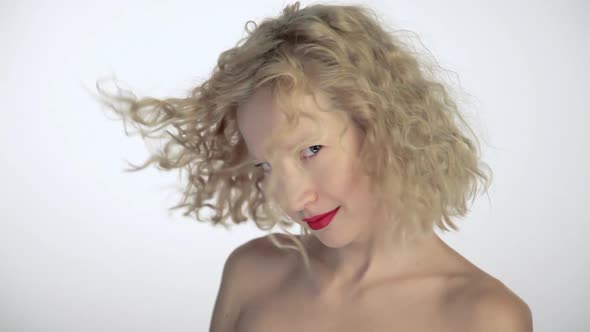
x: 323, y: 119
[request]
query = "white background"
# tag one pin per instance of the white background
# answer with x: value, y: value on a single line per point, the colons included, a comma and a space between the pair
x: 87, y: 247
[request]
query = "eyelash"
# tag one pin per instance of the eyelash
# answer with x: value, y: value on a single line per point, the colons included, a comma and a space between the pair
x: 313, y: 155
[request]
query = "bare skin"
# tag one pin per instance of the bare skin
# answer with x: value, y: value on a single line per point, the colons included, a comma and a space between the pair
x: 363, y: 280
x: 441, y: 291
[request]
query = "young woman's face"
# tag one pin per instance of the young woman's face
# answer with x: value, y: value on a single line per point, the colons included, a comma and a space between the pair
x: 323, y: 176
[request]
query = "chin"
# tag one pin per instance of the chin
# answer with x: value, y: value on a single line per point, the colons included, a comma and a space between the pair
x: 333, y: 239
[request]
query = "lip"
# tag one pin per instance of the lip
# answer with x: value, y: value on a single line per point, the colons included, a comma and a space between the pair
x: 322, y: 220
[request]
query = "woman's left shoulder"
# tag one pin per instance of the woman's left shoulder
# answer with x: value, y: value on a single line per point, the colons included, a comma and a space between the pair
x: 492, y: 306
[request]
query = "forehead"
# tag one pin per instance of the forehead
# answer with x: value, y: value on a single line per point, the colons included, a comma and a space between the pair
x: 259, y: 118
x: 258, y: 113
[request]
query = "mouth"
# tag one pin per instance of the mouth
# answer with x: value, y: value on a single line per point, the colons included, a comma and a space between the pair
x: 320, y: 221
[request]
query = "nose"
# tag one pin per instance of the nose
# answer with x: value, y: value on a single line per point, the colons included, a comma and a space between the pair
x: 295, y: 190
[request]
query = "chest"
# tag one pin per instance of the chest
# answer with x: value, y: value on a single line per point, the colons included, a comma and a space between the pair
x: 383, y: 309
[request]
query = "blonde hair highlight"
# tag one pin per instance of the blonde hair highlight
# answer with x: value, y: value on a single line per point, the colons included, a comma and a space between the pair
x: 422, y: 156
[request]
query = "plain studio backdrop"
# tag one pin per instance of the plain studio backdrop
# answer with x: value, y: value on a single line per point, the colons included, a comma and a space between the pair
x: 85, y: 246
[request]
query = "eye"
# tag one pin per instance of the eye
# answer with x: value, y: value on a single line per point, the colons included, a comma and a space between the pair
x: 314, y: 151
x: 264, y: 169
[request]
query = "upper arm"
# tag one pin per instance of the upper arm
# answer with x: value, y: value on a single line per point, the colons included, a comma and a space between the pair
x: 230, y: 296
x: 502, y: 310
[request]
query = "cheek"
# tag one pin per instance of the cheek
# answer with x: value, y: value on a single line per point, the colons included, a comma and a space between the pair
x: 338, y: 178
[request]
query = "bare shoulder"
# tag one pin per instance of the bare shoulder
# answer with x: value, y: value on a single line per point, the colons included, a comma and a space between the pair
x: 258, y: 262
x: 486, y: 304
x: 262, y: 252
x: 497, y: 308
x: 250, y: 269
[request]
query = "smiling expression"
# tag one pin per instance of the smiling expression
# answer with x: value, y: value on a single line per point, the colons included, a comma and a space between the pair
x: 314, y: 171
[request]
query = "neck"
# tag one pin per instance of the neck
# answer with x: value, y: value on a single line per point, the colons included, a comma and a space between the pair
x: 369, y: 258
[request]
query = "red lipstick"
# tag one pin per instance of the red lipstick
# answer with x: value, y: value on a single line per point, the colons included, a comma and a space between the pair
x: 321, y: 220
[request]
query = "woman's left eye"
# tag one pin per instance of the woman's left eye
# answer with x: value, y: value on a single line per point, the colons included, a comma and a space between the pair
x: 314, y: 150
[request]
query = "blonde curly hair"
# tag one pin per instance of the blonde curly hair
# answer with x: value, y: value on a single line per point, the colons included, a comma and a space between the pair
x: 422, y: 156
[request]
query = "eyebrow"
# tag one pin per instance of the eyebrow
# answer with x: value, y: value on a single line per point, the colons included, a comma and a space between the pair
x: 299, y: 134
x: 253, y: 159
x: 282, y: 146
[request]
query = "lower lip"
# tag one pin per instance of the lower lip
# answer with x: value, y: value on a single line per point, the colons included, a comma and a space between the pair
x: 325, y: 221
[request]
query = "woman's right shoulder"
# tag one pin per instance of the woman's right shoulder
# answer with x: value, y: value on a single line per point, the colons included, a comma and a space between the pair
x: 254, y: 257
x: 262, y: 267
x: 253, y: 268
x: 260, y: 262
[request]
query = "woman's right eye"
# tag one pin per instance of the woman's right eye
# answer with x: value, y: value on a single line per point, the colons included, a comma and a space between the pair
x: 264, y: 169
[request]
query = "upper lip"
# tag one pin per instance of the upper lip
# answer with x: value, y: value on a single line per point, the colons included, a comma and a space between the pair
x: 319, y: 216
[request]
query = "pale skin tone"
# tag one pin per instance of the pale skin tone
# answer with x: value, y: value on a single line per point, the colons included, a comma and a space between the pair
x: 363, y: 280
